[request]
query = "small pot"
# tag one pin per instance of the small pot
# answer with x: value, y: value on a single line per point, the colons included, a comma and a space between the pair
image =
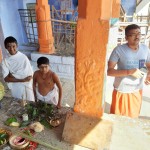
x: 55, y: 122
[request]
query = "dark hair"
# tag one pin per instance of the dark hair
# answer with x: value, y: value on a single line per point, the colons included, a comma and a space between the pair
x: 42, y: 60
x: 10, y: 39
x: 131, y: 27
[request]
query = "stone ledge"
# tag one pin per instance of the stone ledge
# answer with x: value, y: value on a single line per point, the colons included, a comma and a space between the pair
x: 61, y: 65
x: 52, y: 58
x: 87, y: 131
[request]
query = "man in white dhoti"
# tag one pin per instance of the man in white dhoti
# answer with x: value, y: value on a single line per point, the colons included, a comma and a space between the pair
x: 46, y: 84
x: 17, y: 71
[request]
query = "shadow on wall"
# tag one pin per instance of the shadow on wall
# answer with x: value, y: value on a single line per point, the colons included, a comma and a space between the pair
x: 107, y: 108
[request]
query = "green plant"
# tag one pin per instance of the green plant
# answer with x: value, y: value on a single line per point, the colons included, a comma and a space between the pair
x: 39, y: 110
x: 10, y: 120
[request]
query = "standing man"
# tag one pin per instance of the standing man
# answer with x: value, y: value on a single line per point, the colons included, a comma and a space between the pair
x: 125, y: 65
x: 17, y: 71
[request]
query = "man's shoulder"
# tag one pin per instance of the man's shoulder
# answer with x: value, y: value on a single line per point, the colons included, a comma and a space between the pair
x: 21, y: 54
x: 143, y: 46
x: 120, y: 48
x: 37, y: 72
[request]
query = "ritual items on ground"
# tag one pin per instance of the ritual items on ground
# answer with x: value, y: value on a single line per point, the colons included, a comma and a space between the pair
x: 17, y: 142
x: 43, y: 113
x: 38, y: 111
x: 32, y: 145
x: 52, y: 119
x: 29, y: 132
x: 36, y: 126
x: 25, y: 123
x: 12, y: 121
x: 55, y: 122
x: 4, y: 136
x: 25, y: 117
x: 31, y: 119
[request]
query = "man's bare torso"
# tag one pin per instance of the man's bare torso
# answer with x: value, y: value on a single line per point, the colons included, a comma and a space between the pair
x: 44, y: 82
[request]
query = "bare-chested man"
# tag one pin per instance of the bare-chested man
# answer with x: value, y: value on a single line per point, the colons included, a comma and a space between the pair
x: 46, y: 84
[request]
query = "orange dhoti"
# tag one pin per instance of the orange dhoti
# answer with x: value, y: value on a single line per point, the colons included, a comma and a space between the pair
x: 126, y: 104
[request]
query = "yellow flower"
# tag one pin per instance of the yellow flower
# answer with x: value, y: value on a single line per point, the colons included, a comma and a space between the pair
x: 2, y: 91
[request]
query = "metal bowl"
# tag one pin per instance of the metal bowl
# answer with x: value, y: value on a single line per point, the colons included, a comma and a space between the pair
x: 55, y: 122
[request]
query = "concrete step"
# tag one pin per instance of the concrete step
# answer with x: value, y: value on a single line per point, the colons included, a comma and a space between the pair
x: 28, y: 52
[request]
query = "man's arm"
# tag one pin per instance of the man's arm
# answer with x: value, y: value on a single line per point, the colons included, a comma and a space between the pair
x: 119, y: 73
x: 11, y: 78
x: 114, y: 72
x: 57, y: 81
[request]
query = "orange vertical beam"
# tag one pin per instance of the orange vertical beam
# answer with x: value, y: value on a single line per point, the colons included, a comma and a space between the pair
x: 90, y: 59
x: 44, y: 27
x: 116, y: 9
x: 84, y: 123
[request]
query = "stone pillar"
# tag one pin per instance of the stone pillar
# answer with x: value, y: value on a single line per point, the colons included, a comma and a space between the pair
x: 84, y: 126
x: 90, y: 60
x: 44, y: 27
x: 116, y: 9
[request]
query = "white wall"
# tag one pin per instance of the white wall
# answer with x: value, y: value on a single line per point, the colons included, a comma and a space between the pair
x: 10, y: 19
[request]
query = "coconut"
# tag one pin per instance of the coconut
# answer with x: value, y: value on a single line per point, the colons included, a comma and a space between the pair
x: 36, y: 126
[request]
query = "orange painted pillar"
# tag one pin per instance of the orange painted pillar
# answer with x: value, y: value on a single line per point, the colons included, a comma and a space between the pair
x: 116, y: 9
x: 44, y: 27
x: 90, y: 56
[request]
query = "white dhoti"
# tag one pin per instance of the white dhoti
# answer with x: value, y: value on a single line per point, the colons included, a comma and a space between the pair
x: 19, y: 66
x: 50, y: 98
x: 23, y: 91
